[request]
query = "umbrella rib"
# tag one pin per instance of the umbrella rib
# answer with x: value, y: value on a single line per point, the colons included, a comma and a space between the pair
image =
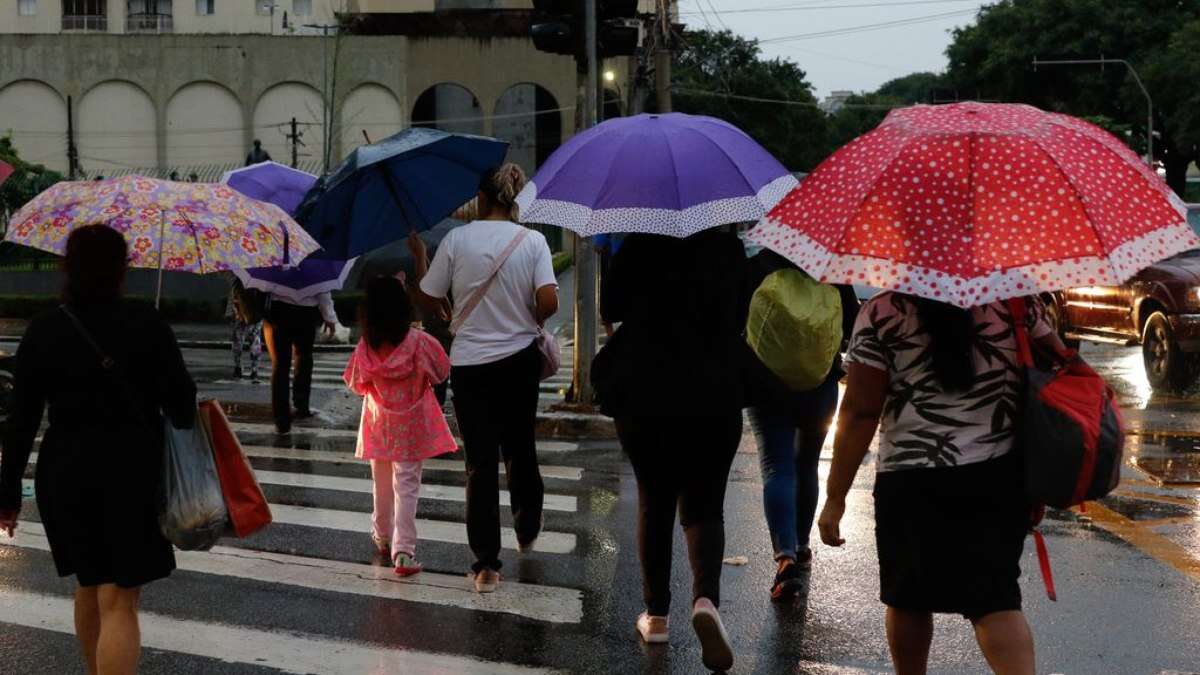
x: 901, y: 144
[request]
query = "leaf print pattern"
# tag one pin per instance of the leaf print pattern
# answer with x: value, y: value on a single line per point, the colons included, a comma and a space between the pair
x: 923, y: 427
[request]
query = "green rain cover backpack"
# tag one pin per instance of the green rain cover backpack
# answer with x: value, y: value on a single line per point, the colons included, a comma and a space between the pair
x: 795, y: 327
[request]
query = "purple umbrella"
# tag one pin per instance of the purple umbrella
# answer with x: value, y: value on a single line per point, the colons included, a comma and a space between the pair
x: 271, y: 182
x: 671, y: 174
x: 310, y: 277
x: 285, y: 187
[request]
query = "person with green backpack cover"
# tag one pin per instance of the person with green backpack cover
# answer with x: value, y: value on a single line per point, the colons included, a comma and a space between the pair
x: 795, y: 327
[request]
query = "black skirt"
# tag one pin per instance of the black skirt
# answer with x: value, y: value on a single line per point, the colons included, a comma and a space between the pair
x: 950, y: 540
x: 98, y: 496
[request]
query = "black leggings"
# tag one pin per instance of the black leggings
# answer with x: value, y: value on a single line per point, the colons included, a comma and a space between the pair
x: 290, y: 332
x: 496, y: 406
x: 681, y: 463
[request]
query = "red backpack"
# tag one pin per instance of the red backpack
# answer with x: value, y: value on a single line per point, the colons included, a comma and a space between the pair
x: 1070, y: 432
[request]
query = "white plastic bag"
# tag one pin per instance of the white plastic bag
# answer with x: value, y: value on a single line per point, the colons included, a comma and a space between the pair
x: 194, y: 515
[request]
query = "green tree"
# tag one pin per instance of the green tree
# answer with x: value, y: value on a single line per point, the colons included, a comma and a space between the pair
x: 859, y: 115
x: 718, y: 73
x: 992, y: 59
x: 26, y: 182
x: 913, y: 88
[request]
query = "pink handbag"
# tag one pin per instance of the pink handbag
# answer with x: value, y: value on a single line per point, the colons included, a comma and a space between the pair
x: 546, y: 344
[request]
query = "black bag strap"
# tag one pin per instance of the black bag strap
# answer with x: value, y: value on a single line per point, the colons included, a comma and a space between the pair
x: 113, y: 369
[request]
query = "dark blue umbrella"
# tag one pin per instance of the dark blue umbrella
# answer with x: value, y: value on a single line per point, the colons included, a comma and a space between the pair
x: 383, y: 191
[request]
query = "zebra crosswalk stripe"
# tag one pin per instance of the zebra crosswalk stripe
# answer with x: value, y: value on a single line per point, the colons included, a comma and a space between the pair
x: 327, y: 456
x: 448, y: 493
x: 447, y: 532
x: 543, y: 603
x: 282, y: 651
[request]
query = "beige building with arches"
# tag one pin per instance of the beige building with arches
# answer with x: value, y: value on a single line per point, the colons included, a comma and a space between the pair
x: 192, y: 94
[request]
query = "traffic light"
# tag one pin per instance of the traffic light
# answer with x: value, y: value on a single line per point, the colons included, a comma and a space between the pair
x: 558, y: 27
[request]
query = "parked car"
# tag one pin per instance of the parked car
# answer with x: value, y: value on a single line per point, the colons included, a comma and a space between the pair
x: 1158, y: 309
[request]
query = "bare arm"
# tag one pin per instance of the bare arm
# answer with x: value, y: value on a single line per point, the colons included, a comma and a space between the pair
x: 439, y: 307
x: 858, y: 420
x: 545, y: 303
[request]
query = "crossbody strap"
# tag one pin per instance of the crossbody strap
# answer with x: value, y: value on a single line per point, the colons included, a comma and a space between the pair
x: 110, y: 366
x: 477, y: 297
x: 1016, y: 307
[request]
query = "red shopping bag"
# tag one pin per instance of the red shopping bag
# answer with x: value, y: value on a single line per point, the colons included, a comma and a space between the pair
x: 248, y: 509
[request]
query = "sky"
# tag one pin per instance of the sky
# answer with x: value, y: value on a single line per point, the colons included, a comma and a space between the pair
x: 863, y: 56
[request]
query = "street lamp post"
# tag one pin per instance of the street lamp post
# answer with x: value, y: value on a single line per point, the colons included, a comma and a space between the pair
x: 1102, y: 61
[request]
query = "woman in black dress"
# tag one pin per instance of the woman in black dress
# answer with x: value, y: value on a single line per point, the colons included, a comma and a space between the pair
x: 99, y: 469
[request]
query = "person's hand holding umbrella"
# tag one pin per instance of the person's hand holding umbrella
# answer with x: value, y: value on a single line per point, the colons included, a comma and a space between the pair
x: 420, y: 254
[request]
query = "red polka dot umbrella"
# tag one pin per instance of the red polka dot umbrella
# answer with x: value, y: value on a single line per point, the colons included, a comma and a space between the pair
x: 970, y: 203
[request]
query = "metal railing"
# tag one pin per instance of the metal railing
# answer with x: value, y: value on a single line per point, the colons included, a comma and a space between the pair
x: 149, y: 23
x: 94, y: 22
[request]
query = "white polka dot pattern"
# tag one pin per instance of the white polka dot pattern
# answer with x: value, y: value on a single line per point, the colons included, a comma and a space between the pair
x: 969, y: 203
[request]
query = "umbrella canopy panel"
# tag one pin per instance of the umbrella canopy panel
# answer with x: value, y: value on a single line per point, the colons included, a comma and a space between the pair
x: 410, y: 181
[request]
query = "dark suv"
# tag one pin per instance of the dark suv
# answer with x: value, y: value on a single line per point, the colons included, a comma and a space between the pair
x: 1159, y: 309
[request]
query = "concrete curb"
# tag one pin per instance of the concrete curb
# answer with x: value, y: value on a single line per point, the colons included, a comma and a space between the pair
x: 575, y: 426
x: 226, y: 345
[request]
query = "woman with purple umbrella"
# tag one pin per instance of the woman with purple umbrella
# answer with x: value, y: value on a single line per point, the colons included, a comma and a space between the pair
x: 675, y: 286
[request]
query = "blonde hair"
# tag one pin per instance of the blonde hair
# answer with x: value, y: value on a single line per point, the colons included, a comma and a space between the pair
x: 501, y: 187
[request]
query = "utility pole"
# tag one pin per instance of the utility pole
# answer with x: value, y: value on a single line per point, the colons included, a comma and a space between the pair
x: 294, y: 137
x: 662, y: 56
x: 72, y: 151
x: 586, y: 296
x: 326, y: 94
x: 1136, y: 78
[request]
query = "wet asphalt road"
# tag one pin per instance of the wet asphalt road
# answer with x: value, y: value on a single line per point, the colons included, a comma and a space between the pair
x: 1127, y: 570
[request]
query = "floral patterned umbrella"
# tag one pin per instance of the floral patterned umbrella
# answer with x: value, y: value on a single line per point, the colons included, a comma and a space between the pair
x: 970, y: 203
x: 179, y: 227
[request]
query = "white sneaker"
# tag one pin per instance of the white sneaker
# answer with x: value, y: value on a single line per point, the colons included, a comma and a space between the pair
x: 653, y: 629
x: 486, y: 580
x: 715, y: 650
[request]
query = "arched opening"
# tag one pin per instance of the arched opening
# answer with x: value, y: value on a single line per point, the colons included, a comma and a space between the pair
x: 527, y: 116
x: 449, y: 107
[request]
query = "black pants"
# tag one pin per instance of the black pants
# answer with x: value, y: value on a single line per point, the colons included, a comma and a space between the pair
x: 681, y: 463
x: 290, y: 332
x: 496, y: 407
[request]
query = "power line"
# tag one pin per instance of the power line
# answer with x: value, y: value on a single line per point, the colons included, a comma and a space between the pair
x: 809, y: 7
x: 781, y: 101
x: 870, y: 27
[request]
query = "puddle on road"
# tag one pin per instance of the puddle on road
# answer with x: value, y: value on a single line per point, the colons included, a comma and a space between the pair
x: 1168, y: 459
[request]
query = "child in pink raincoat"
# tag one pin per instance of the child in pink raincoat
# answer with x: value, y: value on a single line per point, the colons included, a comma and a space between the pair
x: 394, y: 369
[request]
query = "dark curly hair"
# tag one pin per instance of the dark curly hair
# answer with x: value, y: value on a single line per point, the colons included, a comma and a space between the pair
x: 95, y: 265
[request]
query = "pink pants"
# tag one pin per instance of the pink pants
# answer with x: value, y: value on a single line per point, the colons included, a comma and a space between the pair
x: 396, y: 490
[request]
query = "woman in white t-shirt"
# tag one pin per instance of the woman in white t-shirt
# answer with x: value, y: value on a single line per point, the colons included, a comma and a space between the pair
x: 944, y: 388
x: 495, y: 362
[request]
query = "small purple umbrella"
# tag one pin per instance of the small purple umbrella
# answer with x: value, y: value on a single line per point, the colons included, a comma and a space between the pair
x: 285, y: 187
x: 310, y: 277
x: 671, y: 174
x: 271, y: 182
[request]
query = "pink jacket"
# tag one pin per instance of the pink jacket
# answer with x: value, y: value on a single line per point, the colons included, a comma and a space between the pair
x: 401, y: 418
